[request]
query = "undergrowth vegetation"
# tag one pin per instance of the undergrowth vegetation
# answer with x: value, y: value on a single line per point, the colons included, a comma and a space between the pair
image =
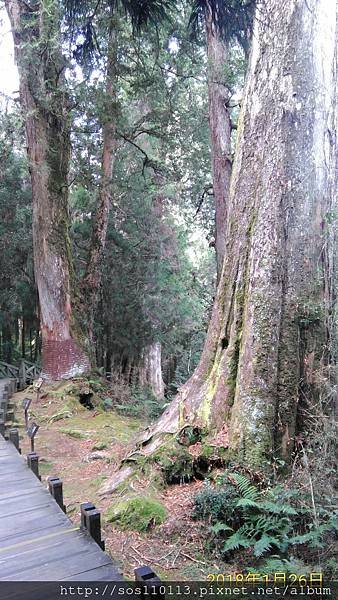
x: 274, y: 527
x: 135, y: 401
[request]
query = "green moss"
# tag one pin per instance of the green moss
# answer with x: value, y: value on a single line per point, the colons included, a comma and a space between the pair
x: 176, y: 463
x: 64, y: 414
x: 74, y: 433
x: 97, y: 481
x: 137, y: 514
x: 233, y: 369
x: 100, y: 446
x: 204, y: 411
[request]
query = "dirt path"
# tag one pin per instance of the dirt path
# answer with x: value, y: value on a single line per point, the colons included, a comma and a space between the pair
x: 84, y: 447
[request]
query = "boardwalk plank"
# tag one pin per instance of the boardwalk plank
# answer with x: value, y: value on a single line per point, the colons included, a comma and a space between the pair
x: 37, y: 540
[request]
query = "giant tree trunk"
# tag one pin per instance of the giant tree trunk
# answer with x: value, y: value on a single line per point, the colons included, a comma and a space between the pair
x: 269, y: 337
x: 92, y: 278
x: 220, y: 134
x: 46, y: 113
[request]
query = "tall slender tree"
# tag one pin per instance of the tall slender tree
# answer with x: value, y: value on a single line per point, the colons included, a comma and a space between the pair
x: 224, y: 22
x: 92, y: 278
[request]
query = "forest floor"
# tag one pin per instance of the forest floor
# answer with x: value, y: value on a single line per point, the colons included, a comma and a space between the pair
x: 66, y: 442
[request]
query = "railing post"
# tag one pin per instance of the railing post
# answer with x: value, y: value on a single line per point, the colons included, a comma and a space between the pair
x: 152, y: 583
x: 91, y: 522
x: 3, y: 410
x: 33, y: 464
x: 14, y: 438
x: 56, y: 490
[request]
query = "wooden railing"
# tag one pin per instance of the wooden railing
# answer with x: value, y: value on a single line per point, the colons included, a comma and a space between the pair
x: 24, y: 373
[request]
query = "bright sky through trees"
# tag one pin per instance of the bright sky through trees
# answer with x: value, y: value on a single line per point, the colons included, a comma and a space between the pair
x: 9, y: 81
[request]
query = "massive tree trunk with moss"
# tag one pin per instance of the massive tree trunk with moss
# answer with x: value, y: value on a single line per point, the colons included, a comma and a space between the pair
x: 46, y: 110
x: 269, y: 341
x: 220, y: 134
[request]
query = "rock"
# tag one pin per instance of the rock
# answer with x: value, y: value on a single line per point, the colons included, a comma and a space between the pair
x: 95, y: 456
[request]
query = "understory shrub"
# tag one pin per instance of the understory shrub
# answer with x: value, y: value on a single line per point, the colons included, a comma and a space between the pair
x: 136, y: 401
x: 277, y: 525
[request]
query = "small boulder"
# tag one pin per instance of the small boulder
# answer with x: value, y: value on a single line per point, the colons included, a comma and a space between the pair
x: 95, y: 456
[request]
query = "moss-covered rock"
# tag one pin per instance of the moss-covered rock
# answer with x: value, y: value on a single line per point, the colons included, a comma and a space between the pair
x: 74, y: 433
x: 176, y: 464
x: 137, y: 514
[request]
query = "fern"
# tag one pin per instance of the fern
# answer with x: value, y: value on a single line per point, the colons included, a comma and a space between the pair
x: 264, y: 544
x: 236, y: 541
x: 275, y: 564
x: 247, y: 503
x: 266, y: 521
x: 245, y: 487
x: 314, y: 537
x: 218, y: 527
x: 277, y: 508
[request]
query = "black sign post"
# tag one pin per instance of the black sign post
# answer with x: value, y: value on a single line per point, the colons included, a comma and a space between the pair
x: 25, y: 405
x: 31, y: 432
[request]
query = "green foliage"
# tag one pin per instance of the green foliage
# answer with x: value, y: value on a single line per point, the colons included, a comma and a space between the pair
x: 216, y: 506
x: 137, y: 514
x: 17, y: 290
x: 140, y: 402
x: 100, y: 446
x: 73, y: 433
x: 263, y: 522
x: 232, y: 18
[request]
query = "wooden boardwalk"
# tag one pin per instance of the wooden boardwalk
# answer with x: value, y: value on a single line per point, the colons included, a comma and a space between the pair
x: 37, y: 540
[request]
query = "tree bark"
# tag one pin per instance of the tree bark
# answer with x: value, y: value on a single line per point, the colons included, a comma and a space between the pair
x: 270, y: 335
x: 92, y: 278
x: 220, y: 134
x: 46, y: 113
x: 150, y: 373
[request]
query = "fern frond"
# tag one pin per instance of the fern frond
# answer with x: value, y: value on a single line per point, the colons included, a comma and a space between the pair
x: 235, y: 541
x: 247, y: 503
x: 245, y: 486
x: 264, y: 544
x: 277, y: 508
x: 269, y: 522
x: 220, y: 527
x: 314, y: 537
x: 275, y: 564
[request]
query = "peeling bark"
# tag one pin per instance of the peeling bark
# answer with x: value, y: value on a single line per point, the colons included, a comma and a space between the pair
x: 46, y: 113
